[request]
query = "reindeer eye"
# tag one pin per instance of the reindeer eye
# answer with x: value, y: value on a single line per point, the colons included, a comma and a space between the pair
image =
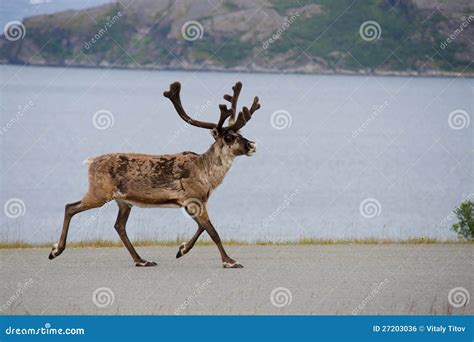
x: 229, y: 138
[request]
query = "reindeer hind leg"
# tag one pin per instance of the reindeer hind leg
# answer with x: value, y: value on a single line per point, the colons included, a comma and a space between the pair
x: 88, y: 202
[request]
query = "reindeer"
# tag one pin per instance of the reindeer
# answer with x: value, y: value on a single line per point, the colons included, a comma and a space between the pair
x: 183, y: 180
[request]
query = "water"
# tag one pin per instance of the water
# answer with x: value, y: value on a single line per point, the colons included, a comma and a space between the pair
x: 351, y: 138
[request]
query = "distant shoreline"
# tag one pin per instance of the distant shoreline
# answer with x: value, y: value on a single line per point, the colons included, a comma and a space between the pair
x: 342, y: 72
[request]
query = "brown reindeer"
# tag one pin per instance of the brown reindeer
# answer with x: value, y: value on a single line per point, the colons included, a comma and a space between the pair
x: 182, y: 180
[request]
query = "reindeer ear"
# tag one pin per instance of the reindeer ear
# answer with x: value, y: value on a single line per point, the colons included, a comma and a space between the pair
x: 214, y: 133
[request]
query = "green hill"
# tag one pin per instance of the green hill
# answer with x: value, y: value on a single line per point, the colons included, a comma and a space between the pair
x: 315, y: 36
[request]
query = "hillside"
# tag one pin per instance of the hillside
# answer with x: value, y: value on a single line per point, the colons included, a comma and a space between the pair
x: 19, y: 9
x: 317, y: 36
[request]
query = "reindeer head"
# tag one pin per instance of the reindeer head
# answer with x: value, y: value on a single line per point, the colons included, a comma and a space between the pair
x: 227, y: 138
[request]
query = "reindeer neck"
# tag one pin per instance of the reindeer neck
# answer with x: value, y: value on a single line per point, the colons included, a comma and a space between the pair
x: 216, y: 161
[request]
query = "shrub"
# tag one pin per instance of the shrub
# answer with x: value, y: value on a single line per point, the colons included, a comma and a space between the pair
x: 465, y: 227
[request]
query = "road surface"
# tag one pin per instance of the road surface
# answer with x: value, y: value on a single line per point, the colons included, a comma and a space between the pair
x: 277, y: 280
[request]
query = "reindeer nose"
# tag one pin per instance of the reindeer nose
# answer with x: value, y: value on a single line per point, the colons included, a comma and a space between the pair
x: 251, y: 145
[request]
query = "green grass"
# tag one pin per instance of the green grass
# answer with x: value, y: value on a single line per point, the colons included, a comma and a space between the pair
x: 173, y: 243
x: 230, y: 51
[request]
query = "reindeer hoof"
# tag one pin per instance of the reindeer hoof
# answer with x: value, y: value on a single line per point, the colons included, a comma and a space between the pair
x: 182, y: 250
x: 234, y: 264
x: 144, y: 263
x: 54, y: 252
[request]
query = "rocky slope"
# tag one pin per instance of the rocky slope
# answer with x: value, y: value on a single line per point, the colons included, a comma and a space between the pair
x: 323, y: 36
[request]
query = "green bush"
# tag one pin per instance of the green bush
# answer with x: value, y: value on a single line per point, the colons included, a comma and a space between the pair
x: 465, y: 227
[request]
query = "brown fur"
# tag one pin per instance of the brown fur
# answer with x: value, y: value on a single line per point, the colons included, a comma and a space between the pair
x: 151, y: 180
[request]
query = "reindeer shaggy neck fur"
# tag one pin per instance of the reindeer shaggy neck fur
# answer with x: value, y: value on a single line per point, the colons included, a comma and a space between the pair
x: 216, y: 162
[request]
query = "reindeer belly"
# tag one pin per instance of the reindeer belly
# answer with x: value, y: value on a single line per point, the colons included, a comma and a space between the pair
x: 151, y: 205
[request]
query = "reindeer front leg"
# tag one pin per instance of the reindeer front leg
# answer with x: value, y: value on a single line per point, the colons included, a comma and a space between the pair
x: 185, y: 247
x: 120, y: 226
x: 204, y: 223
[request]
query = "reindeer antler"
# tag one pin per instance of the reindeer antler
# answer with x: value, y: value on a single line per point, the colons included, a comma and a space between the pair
x: 225, y: 113
x: 244, y: 116
x: 234, y: 124
x: 233, y: 100
x: 173, y: 95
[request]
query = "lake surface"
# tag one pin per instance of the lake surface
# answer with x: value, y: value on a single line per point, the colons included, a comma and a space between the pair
x: 344, y: 156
